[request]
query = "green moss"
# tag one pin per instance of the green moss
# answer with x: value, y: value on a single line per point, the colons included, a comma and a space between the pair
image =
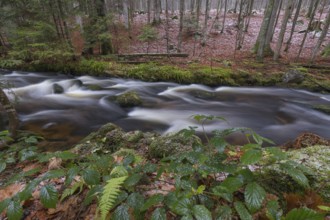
x: 129, y: 99
x: 171, y: 144
x: 155, y: 72
x: 322, y: 108
x: 316, y: 159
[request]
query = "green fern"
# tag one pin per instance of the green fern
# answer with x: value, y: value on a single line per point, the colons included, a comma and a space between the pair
x: 110, y: 193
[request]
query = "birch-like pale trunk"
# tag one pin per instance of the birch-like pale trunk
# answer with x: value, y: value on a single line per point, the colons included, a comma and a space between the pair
x: 285, y: 20
x: 323, y: 35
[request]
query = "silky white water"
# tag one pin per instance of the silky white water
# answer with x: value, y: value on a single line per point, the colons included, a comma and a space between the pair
x: 276, y: 113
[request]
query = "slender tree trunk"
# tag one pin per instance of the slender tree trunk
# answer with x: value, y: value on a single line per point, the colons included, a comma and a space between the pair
x: 65, y: 26
x: 180, y: 25
x: 192, y: 6
x: 278, y: 15
x: 198, y: 13
x: 207, y: 7
x: 157, y: 10
x: 224, y: 17
x: 294, y: 22
x: 323, y: 35
x: 54, y: 19
x: 283, y: 29
x: 149, y: 10
x: 309, y: 24
x: 310, y: 9
x: 235, y: 8
x: 11, y: 113
x: 250, y: 8
x: 167, y: 27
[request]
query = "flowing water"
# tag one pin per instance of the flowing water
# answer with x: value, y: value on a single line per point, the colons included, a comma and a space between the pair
x: 276, y: 113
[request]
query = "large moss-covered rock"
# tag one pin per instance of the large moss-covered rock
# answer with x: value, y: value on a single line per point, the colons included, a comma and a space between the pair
x: 317, y: 161
x: 172, y: 144
x: 105, y: 139
x: 129, y: 99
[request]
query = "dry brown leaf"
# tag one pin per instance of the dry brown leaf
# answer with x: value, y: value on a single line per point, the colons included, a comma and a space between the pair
x: 54, y: 163
x: 11, y: 190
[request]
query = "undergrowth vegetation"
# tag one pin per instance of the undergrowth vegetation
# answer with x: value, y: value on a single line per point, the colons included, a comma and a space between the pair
x: 214, y: 180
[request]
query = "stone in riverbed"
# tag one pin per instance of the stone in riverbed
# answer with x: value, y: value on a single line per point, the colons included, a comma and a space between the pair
x: 293, y: 76
x: 57, y: 89
x: 129, y: 99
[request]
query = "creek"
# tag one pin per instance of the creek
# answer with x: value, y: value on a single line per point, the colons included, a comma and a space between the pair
x: 66, y: 108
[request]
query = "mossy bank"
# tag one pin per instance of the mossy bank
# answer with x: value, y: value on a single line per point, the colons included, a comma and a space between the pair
x: 224, y: 74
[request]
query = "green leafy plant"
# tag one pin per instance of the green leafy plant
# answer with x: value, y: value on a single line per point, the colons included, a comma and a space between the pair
x: 213, y: 180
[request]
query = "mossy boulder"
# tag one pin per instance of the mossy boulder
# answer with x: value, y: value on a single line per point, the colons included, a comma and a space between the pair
x: 294, y: 76
x: 102, y: 140
x: 57, y: 89
x: 172, y: 144
x: 93, y: 87
x: 129, y: 99
x: 316, y: 159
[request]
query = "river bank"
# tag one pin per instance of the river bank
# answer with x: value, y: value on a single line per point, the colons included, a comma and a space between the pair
x: 244, y: 72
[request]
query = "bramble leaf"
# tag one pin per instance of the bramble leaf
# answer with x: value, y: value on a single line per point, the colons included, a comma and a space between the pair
x: 201, y: 213
x: 153, y: 200
x: 251, y: 156
x: 254, y: 196
x: 48, y: 196
x: 91, y: 177
x: 158, y: 214
x: 304, y: 213
x: 14, y: 210
x: 242, y: 211
x: 121, y: 213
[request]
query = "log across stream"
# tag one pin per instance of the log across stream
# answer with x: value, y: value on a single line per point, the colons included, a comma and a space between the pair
x: 65, y: 109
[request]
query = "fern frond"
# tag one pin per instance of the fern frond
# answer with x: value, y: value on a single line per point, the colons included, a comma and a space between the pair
x: 70, y: 191
x: 110, y: 193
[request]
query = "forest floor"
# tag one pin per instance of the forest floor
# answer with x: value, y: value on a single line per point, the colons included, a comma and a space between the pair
x: 219, y: 46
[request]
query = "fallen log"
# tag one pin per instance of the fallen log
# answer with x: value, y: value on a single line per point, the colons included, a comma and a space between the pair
x: 134, y: 55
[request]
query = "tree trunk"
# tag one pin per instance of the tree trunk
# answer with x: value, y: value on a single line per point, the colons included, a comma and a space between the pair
x: 167, y: 27
x: 293, y: 25
x: 192, y: 6
x: 278, y: 15
x: 283, y: 29
x: 310, y: 9
x: 207, y: 7
x: 157, y: 12
x: 309, y: 24
x: 323, y: 35
x: 149, y: 10
x: 250, y: 8
x: 66, y: 34
x: 235, y: 8
x: 224, y: 17
x: 11, y: 113
x: 180, y: 25
x: 261, y: 46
